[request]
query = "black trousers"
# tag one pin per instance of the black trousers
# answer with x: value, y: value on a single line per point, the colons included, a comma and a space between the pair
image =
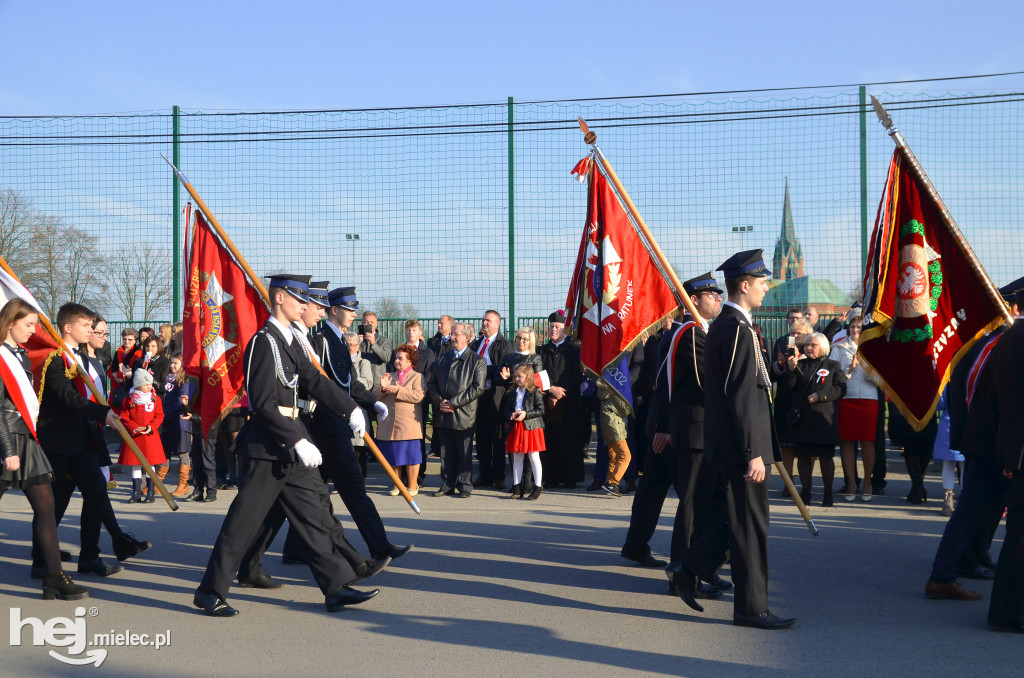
x: 490, y: 448
x: 1007, y: 605
x: 970, y: 528
x: 457, y: 463
x: 743, y: 534
x: 204, y: 460
x: 334, y: 438
x: 694, y: 483
x: 252, y: 562
x: 81, y: 471
x: 263, y: 484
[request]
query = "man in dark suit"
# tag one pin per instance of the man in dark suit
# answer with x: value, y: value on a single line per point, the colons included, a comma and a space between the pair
x: 63, y: 429
x: 278, y: 460
x: 490, y: 450
x: 1006, y: 609
x: 975, y: 417
x: 441, y: 342
x: 676, y: 428
x: 459, y: 382
x: 740, y: 441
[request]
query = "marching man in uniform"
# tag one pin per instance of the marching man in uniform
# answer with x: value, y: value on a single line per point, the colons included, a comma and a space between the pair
x: 278, y: 460
x: 740, y: 440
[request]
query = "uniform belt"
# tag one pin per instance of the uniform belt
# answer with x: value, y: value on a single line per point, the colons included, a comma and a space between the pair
x: 307, y: 406
x: 289, y: 412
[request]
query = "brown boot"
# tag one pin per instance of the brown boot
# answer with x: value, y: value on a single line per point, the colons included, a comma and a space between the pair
x: 161, y: 473
x: 182, y: 489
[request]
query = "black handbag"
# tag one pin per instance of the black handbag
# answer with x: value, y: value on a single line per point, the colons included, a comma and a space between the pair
x: 794, y: 417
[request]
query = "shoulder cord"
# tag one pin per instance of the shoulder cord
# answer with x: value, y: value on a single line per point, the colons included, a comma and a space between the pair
x: 68, y: 372
x: 330, y: 364
x: 696, y: 371
x: 760, y: 364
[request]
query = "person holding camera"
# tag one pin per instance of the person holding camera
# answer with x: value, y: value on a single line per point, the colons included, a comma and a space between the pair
x: 786, y: 347
x: 813, y: 385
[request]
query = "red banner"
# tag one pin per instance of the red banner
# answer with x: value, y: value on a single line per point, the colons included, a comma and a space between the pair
x: 617, y: 292
x: 222, y: 313
x: 925, y: 305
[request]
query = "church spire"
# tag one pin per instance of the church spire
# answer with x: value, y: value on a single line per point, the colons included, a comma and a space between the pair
x: 788, y: 260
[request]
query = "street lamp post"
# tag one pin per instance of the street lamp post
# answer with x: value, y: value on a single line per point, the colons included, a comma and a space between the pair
x: 353, y: 237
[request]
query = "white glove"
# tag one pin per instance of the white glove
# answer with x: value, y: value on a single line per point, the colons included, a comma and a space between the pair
x: 308, y: 453
x: 382, y: 410
x: 357, y: 422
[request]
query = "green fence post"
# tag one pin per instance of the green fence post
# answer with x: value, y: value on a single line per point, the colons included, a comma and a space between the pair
x: 863, y: 177
x: 511, y: 225
x: 176, y: 209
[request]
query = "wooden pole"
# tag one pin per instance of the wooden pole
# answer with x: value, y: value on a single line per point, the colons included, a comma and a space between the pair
x: 944, y: 213
x: 101, y: 399
x: 261, y: 288
x: 591, y: 139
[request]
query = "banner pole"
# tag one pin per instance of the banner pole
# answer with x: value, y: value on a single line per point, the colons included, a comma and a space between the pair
x: 947, y: 217
x: 591, y: 139
x: 261, y: 288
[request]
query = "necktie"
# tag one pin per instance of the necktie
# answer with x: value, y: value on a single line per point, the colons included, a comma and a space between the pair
x: 483, y: 347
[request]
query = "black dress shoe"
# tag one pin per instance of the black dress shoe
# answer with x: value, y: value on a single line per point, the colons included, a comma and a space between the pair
x: 261, y: 581
x: 685, y: 584
x: 347, y: 596
x: 765, y: 620
x: 442, y: 492
x: 645, y: 560
x: 465, y: 494
x: 127, y: 546
x: 98, y: 567
x: 1006, y: 627
x: 212, y: 604
x: 718, y: 583
x: 211, y: 495
x: 294, y: 560
x: 707, y: 592
x: 368, y: 568
x: 197, y: 494
x: 396, y: 552
x: 977, y: 572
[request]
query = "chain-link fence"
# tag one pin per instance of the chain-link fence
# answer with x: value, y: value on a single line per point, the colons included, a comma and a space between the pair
x: 432, y: 210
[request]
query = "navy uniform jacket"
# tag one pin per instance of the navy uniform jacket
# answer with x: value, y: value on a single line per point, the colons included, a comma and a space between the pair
x: 1008, y: 364
x: 956, y: 394
x: 337, y: 363
x: 270, y: 435
x: 682, y: 414
x: 737, y: 401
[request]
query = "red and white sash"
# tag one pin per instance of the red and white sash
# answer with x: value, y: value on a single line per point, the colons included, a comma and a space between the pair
x: 978, y: 367
x: 670, y: 359
x: 20, y: 388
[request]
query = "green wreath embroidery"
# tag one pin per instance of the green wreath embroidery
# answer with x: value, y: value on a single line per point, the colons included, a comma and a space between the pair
x: 912, y: 226
x: 905, y: 336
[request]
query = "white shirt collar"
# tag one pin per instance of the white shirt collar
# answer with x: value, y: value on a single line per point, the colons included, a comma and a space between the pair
x: 285, y: 330
x: 559, y: 343
x: 743, y: 311
x: 337, y: 331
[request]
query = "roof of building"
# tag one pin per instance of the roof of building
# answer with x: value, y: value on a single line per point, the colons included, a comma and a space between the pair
x: 803, y: 291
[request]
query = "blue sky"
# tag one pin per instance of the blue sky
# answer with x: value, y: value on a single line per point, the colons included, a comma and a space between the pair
x: 432, y: 211
x: 77, y: 57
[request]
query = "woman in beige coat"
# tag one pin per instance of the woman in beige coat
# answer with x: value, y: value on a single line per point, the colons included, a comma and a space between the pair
x: 399, y: 436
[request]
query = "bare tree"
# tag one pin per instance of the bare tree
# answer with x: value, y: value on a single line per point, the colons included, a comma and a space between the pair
x: 139, y: 282
x: 389, y: 307
x: 16, y: 222
x: 65, y: 264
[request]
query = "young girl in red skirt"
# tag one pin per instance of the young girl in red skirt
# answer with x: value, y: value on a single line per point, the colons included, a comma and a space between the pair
x: 524, y: 407
x: 142, y: 414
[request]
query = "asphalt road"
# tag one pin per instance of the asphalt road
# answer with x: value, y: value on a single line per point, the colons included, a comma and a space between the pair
x: 503, y: 587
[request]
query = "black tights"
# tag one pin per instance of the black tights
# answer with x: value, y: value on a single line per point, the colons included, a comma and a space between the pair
x: 805, y: 466
x: 44, y: 524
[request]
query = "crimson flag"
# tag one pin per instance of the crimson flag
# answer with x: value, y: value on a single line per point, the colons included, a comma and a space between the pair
x: 617, y: 292
x: 222, y: 313
x: 925, y: 304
